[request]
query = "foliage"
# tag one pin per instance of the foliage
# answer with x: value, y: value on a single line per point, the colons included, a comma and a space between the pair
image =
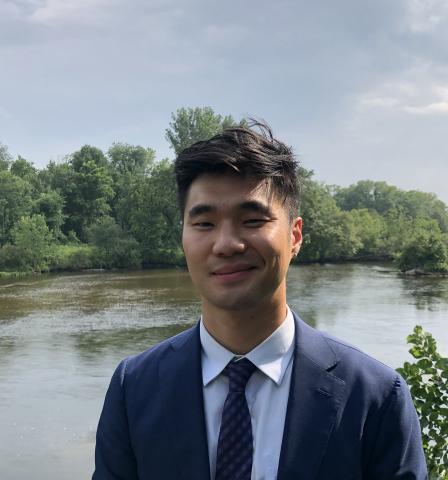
x: 130, y: 159
x: 190, y: 125
x: 5, y: 157
x: 328, y: 231
x: 426, y: 251
x: 73, y: 257
x: 15, y: 202
x: 133, y: 197
x: 51, y: 206
x: 115, y: 248
x: 23, y: 169
x: 370, y: 228
x: 428, y: 381
x: 12, y: 259
x: 33, y: 238
x: 88, y: 194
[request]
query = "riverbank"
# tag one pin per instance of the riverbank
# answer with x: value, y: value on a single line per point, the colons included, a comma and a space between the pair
x: 182, y: 266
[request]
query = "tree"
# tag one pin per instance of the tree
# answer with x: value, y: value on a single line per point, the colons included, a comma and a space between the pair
x: 33, y: 238
x: 115, y: 247
x: 51, y: 206
x: 427, y: 378
x: 5, y: 157
x: 378, y: 196
x: 329, y: 233
x: 190, y: 125
x: 130, y: 166
x: 87, y: 153
x: 370, y: 229
x: 15, y: 202
x: 130, y: 159
x: 154, y: 217
x: 426, y: 251
x: 23, y: 169
x: 88, y: 191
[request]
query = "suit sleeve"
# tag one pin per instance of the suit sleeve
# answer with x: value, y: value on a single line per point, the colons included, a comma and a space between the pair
x: 114, y: 457
x: 397, y: 451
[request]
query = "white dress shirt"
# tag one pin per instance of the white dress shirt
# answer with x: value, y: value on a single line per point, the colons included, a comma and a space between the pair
x: 267, y: 394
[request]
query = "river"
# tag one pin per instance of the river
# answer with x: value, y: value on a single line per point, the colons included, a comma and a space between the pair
x: 61, y: 337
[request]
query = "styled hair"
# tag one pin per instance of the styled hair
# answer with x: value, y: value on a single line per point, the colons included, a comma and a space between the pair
x: 250, y: 151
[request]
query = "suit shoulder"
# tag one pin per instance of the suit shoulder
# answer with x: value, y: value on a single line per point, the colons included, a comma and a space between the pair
x: 358, y: 365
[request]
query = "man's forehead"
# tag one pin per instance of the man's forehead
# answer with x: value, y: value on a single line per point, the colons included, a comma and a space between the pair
x: 230, y: 188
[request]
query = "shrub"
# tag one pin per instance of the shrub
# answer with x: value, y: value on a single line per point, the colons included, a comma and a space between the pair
x: 12, y: 259
x: 428, y: 382
x: 426, y: 251
x: 74, y: 257
x: 115, y: 247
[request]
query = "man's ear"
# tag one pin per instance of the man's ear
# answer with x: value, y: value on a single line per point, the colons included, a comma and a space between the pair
x: 296, y: 236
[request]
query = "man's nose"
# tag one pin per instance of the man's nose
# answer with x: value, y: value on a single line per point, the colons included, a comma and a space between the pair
x: 228, y: 241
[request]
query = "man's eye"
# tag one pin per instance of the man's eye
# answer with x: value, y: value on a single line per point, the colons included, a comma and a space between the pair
x: 255, y: 222
x: 203, y: 225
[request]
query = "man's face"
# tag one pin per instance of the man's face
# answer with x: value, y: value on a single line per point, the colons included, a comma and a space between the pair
x: 238, y: 241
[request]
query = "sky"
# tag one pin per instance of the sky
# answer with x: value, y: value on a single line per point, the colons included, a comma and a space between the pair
x: 359, y: 88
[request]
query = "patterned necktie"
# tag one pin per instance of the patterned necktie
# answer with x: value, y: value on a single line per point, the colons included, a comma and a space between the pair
x: 235, y: 445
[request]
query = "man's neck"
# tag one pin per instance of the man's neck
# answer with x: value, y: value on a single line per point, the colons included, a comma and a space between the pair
x: 241, y: 331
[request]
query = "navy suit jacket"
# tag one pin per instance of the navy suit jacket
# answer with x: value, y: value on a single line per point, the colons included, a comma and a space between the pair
x: 348, y: 416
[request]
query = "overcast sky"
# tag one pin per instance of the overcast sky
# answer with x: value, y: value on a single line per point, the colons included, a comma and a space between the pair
x: 359, y: 88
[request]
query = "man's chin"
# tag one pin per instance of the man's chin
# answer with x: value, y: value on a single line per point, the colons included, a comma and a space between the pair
x: 234, y: 304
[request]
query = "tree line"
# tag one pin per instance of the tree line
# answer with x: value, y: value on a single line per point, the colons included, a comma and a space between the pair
x: 118, y: 209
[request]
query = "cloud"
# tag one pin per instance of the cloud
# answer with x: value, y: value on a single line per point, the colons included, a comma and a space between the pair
x: 426, y: 15
x: 51, y: 11
x: 421, y: 90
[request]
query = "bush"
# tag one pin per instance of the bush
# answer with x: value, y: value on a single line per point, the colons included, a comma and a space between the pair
x: 12, y: 259
x: 74, y: 257
x: 428, y: 382
x: 426, y: 251
x: 33, y: 238
x: 115, y: 247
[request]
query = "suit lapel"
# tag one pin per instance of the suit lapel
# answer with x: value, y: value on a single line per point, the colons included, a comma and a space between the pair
x: 181, y: 375
x: 314, y: 400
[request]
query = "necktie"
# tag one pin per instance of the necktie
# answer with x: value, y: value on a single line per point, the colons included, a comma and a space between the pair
x: 235, y: 445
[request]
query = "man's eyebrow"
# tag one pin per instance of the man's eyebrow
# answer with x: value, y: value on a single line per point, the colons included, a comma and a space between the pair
x: 200, y: 209
x: 255, y: 206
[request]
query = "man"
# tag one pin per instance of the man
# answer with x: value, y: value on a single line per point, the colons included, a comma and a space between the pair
x: 251, y: 392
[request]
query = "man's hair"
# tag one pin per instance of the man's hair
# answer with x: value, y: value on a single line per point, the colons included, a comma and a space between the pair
x: 248, y: 151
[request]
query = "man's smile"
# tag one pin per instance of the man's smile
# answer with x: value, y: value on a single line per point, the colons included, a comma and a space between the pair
x: 233, y: 271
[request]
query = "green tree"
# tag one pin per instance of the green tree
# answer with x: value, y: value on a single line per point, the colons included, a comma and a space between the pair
x: 51, y: 205
x: 369, y: 228
x: 329, y: 232
x: 115, y: 247
x: 130, y: 159
x: 5, y: 158
x: 130, y: 166
x: 154, y: 219
x: 378, y: 196
x: 190, y: 125
x: 23, y: 169
x: 33, y: 238
x: 15, y: 202
x: 426, y: 251
x: 427, y: 378
x: 88, y: 191
x: 86, y: 154
x: 425, y: 205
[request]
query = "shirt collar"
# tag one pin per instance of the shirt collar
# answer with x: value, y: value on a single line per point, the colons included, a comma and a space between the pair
x: 272, y: 356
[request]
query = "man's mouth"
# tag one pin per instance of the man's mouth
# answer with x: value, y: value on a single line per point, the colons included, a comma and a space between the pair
x: 232, y: 269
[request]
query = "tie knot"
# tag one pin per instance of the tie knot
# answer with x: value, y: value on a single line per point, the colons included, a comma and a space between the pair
x: 239, y: 372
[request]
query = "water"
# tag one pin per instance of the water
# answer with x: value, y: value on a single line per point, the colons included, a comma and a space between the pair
x: 61, y: 337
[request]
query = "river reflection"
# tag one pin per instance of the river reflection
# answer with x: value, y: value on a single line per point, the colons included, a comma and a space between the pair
x: 61, y: 336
